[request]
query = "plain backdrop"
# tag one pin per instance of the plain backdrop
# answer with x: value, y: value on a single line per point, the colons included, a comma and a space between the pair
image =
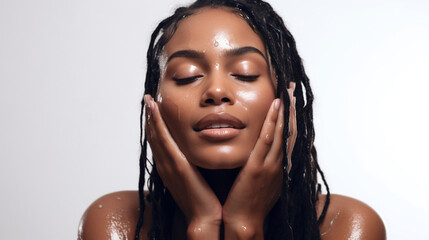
x: 71, y: 81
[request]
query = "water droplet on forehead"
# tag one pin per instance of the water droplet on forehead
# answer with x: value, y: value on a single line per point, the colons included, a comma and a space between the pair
x: 100, y: 206
x: 216, y: 43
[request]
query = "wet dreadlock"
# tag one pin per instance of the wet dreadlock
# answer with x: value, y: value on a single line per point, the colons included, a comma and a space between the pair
x: 294, y: 215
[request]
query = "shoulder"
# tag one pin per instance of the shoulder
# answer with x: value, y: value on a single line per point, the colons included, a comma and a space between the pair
x: 349, y: 218
x: 113, y: 216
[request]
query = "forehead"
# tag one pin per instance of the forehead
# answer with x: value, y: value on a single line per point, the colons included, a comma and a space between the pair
x: 213, y: 28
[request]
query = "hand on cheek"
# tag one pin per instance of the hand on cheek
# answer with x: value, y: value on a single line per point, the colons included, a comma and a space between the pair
x: 191, y: 192
x: 258, y: 185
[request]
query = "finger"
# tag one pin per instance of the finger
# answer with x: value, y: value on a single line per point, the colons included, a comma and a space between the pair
x: 158, y: 154
x: 293, y: 132
x: 266, y: 136
x: 291, y: 89
x: 148, y: 116
x: 275, y: 153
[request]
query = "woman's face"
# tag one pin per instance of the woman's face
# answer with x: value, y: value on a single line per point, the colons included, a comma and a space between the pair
x: 215, y: 89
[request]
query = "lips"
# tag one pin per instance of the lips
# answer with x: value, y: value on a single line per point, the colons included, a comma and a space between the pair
x: 218, y: 121
x: 218, y: 127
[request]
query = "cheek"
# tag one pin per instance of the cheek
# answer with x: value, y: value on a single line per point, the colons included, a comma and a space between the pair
x: 255, y: 102
x: 170, y: 110
x: 175, y: 110
x: 246, y: 98
x: 176, y: 99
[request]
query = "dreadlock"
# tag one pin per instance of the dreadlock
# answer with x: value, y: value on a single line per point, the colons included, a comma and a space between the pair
x: 294, y: 215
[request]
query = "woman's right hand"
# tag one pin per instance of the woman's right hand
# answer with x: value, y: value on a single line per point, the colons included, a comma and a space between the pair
x: 191, y: 192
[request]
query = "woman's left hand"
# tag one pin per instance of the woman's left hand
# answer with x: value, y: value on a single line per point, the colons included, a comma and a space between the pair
x: 258, y: 185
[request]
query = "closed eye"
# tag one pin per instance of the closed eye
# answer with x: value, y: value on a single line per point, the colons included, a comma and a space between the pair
x: 248, y: 78
x: 183, y: 81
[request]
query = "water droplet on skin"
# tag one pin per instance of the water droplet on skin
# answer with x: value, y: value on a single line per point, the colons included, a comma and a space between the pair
x: 119, y: 198
x: 147, y: 115
x: 197, y: 229
x: 242, y: 105
x: 100, y: 206
x: 246, y: 97
x: 222, y: 40
x: 159, y: 98
x: 178, y: 113
x: 176, y: 106
x: 267, y: 137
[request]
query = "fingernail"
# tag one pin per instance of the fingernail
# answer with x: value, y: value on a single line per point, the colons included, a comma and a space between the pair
x: 152, y: 103
x: 146, y: 100
x: 148, y: 106
x: 277, y: 104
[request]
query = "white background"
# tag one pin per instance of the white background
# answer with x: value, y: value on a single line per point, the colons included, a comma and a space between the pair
x: 71, y: 80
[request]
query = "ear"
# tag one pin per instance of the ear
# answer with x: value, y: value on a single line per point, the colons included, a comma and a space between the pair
x: 292, y: 125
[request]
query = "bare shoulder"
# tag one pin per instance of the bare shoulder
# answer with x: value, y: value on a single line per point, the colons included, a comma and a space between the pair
x: 349, y: 218
x: 113, y: 216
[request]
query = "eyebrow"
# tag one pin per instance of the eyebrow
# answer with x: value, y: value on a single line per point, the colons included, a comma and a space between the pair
x: 186, y: 54
x: 228, y: 53
x: 243, y: 50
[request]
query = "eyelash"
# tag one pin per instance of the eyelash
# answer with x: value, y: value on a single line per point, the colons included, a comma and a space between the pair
x: 248, y: 78
x: 183, y: 81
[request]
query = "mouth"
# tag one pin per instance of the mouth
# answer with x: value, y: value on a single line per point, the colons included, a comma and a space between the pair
x: 218, y: 127
x: 218, y: 121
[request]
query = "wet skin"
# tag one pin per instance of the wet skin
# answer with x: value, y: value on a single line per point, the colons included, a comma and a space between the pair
x: 216, y: 100
x: 346, y: 219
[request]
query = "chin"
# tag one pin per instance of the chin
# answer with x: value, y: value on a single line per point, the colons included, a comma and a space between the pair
x: 220, y: 163
x: 218, y: 156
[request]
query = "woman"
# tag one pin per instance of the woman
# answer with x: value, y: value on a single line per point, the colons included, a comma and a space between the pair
x: 229, y: 122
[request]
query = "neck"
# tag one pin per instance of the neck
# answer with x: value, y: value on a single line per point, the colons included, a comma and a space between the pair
x: 220, y: 180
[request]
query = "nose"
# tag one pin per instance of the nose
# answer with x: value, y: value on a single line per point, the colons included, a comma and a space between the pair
x: 217, y: 91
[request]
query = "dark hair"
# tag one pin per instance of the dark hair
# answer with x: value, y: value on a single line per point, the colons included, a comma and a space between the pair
x: 294, y: 215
